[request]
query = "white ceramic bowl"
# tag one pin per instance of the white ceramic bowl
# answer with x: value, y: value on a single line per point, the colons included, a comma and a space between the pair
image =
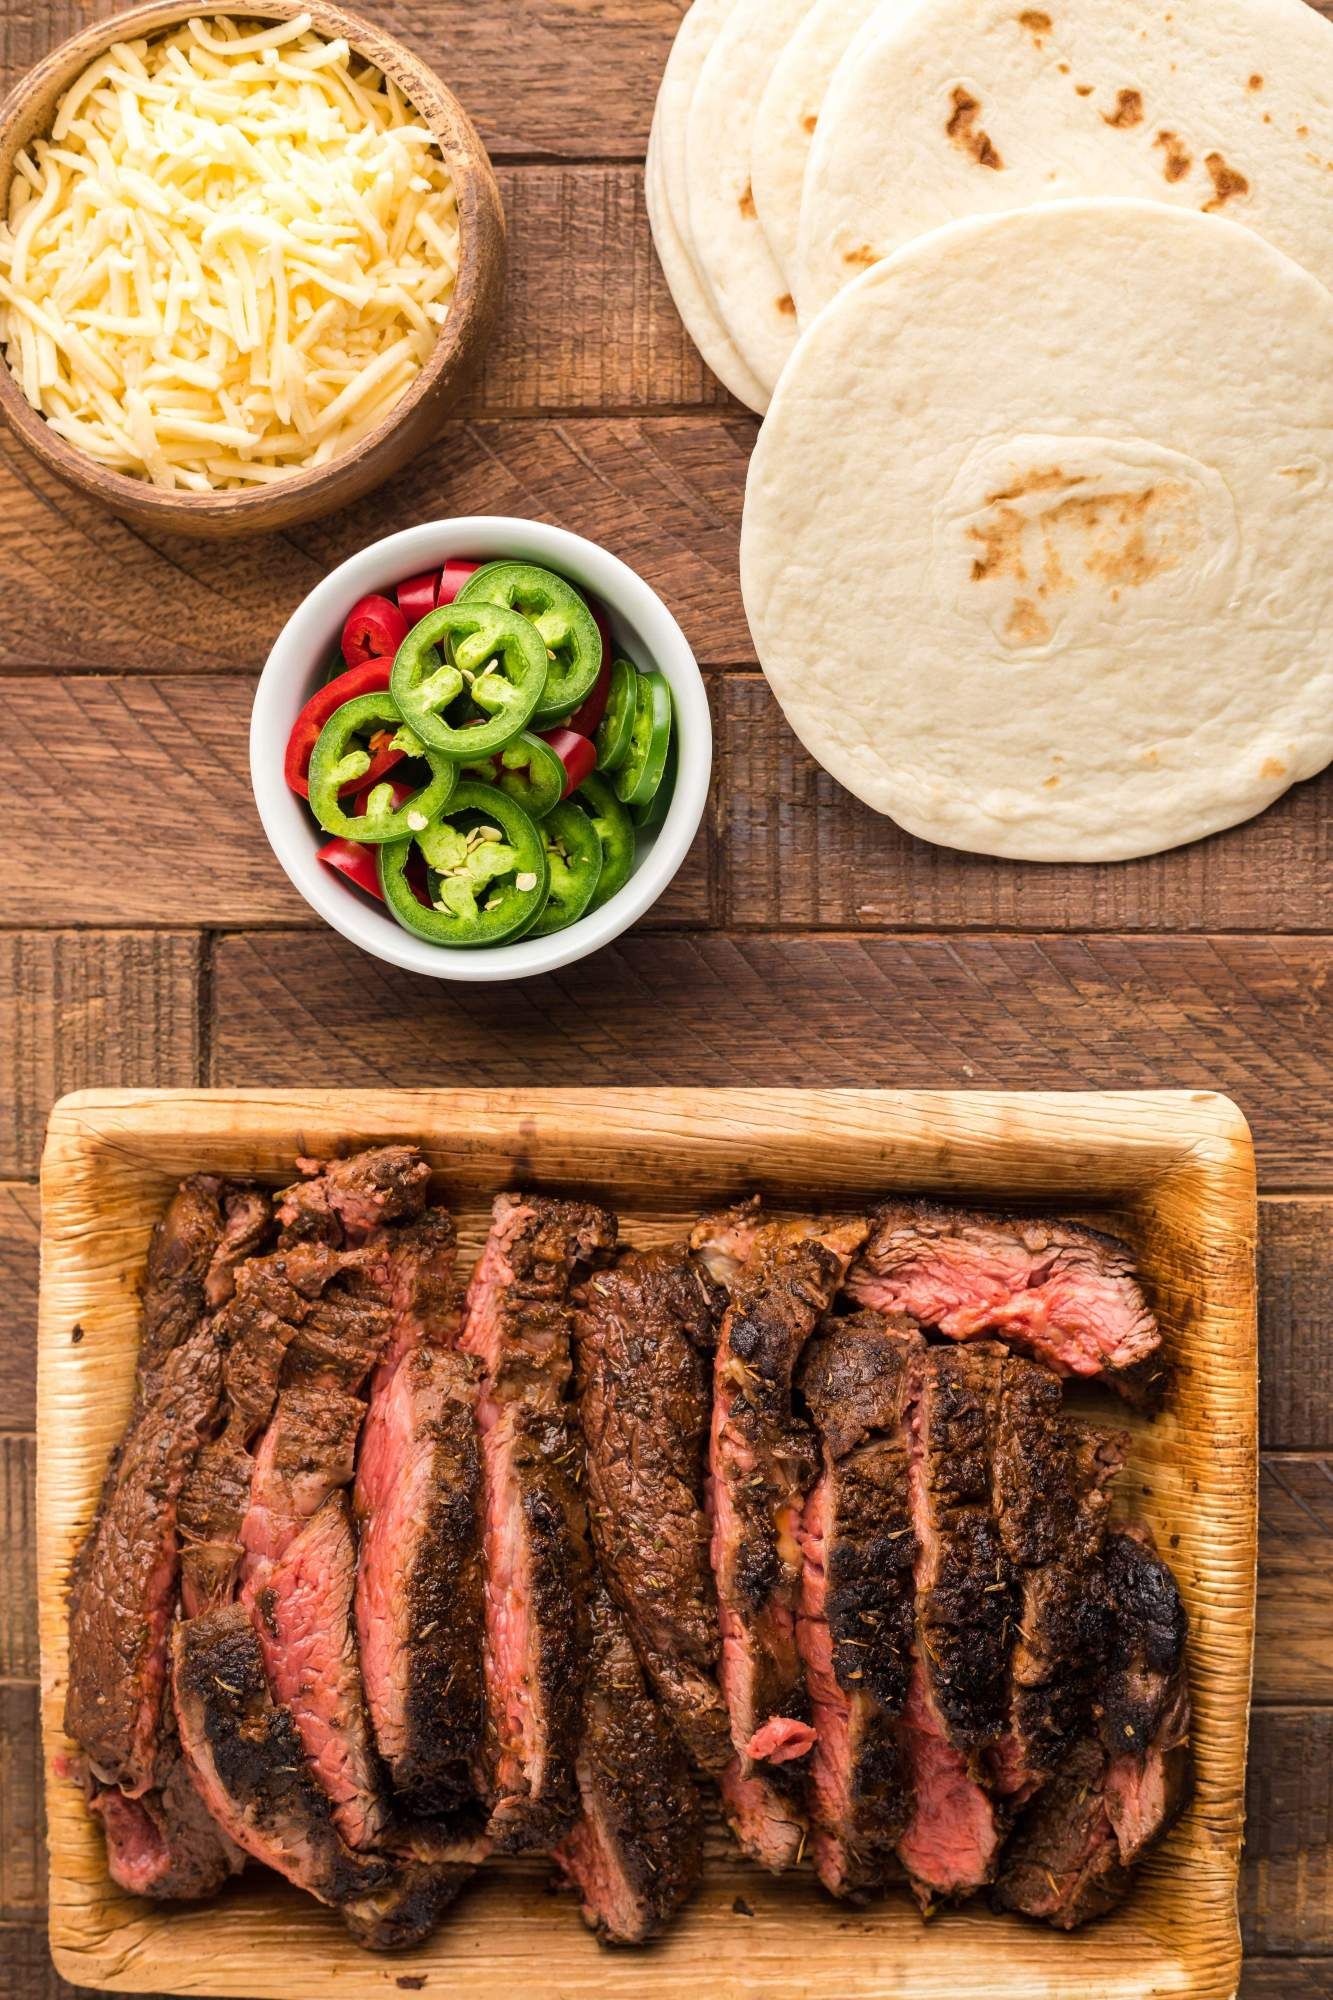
x: 642, y: 627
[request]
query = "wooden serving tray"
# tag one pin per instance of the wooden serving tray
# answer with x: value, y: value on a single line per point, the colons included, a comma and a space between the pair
x: 1173, y: 1171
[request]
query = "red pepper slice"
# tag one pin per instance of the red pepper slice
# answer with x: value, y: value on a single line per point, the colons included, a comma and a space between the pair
x: 586, y: 718
x: 452, y: 578
x: 417, y: 596
x: 352, y: 858
x: 376, y: 627
x: 576, y: 753
x: 371, y: 677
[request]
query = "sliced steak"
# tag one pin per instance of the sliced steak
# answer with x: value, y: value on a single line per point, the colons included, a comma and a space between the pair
x: 164, y: 1844
x: 762, y: 1463
x: 516, y: 1322
x: 858, y: 1596
x: 301, y: 1604
x: 419, y: 1585
x: 958, y: 1699
x: 1064, y: 1294
x: 247, y: 1761
x: 723, y: 1240
x: 1052, y: 1480
x: 635, y: 1852
x: 346, y: 1201
x: 1145, y: 1723
x: 643, y: 1339
x: 307, y: 1453
x: 1063, y: 1862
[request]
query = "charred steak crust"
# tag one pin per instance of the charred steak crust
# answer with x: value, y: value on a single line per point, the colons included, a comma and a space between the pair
x: 1064, y: 1293
x: 763, y: 1461
x: 1144, y: 1724
x: 858, y: 1596
x: 1063, y: 1864
x: 517, y: 1322
x: 419, y: 1598
x: 643, y: 1334
x: 346, y: 1201
x: 635, y: 1853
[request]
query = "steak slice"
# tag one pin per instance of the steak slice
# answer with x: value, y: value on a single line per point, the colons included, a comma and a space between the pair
x: 1125, y: 1784
x: 516, y: 1321
x: 123, y: 1581
x: 419, y: 1584
x: 643, y: 1337
x: 1052, y: 1480
x: 723, y: 1240
x: 762, y: 1463
x: 858, y: 1596
x: 346, y: 1201
x: 635, y: 1852
x: 247, y: 1761
x: 301, y: 1603
x: 164, y: 1844
x: 958, y: 1698
x: 1058, y: 1291
x: 307, y: 1453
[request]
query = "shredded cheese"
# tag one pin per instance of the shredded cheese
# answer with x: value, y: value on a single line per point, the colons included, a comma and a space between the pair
x: 231, y: 257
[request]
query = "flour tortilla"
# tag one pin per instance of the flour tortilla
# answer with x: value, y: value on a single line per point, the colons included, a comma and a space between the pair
x: 1035, y: 542
x: 668, y: 203
x: 747, y: 286
x: 965, y: 107
x: 788, y: 114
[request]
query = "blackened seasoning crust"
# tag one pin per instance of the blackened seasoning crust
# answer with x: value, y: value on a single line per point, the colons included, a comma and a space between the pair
x: 635, y: 1852
x: 858, y: 1597
x: 644, y: 1334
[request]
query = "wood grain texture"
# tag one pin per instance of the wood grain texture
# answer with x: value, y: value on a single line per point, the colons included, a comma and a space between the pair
x: 84, y: 1007
x: 1287, y: 1900
x: 663, y: 493
x: 180, y: 749
x: 800, y: 853
x: 22, y: 1809
x: 18, y: 1558
x: 18, y: 1307
x: 1296, y: 1325
x: 1176, y: 1175
x: 1286, y: 1979
x: 1246, y: 1015
x: 1294, y: 1642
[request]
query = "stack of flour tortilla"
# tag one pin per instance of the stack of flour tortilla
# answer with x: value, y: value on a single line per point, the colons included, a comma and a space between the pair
x: 1036, y: 301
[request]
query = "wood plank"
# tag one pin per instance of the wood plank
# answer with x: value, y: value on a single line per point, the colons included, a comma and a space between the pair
x: 565, y: 77
x: 663, y: 493
x: 800, y: 852
x: 1293, y: 1659
x: 18, y: 1558
x: 22, y: 1812
x: 1295, y: 1324
x: 1287, y: 1979
x: 1287, y: 1879
x: 18, y: 1307
x: 1244, y: 1015
x: 97, y: 1007
x: 174, y: 755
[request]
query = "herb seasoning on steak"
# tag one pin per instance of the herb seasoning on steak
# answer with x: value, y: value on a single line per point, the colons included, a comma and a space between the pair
x: 762, y: 1463
x: 1058, y: 1291
x: 644, y: 1333
x: 635, y: 1852
x: 516, y: 1322
x: 857, y: 1597
x: 958, y: 1698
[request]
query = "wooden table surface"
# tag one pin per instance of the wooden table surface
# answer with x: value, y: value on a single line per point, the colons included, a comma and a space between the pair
x: 148, y: 937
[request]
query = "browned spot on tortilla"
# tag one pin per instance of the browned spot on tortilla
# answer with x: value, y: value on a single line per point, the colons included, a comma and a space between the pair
x: 863, y: 254
x: 1176, y: 161
x: 1128, y: 109
x: 787, y: 305
x: 1051, y: 782
x: 1227, y: 181
x: 1026, y: 624
x: 1302, y: 131
x: 965, y: 132
x: 1035, y: 22
x: 1272, y: 767
x: 1152, y: 758
x: 1033, y: 482
x: 1256, y: 83
x: 809, y: 122
x: 1083, y: 89
x: 746, y: 203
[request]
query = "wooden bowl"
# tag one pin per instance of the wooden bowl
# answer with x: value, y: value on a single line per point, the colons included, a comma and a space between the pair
x: 304, y: 496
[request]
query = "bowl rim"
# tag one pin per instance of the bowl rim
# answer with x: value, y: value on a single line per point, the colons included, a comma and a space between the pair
x: 408, y: 552
x: 468, y: 164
